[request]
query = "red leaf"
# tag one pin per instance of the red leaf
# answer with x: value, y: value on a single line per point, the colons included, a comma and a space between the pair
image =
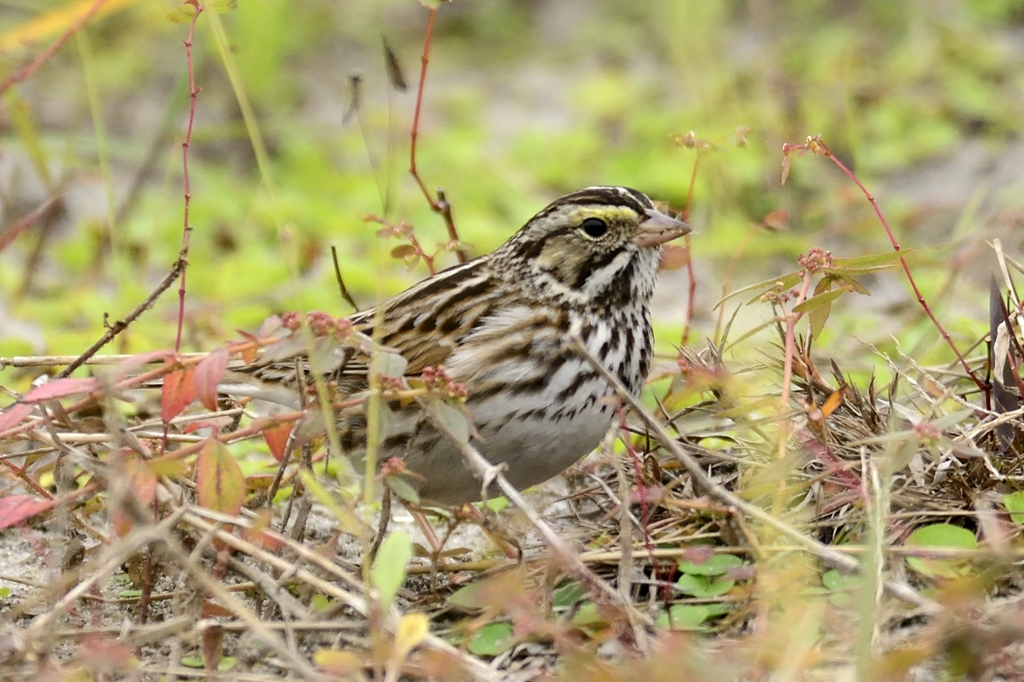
x: 208, y: 374
x: 177, y: 393
x: 141, y: 480
x: 249, y: 354
x: 698, y: 554
x: 277, y: 439
x: 257, y: 534
x: 142, y: 483
x: 17, y: 508
x: 14, y: 415
x: 61, y: 388
x: 212, y: 609
x: 219, y: 481
x: 777, y: 219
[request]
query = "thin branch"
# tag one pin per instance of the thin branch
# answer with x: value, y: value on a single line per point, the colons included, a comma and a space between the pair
x: 114, y: 329
x: 25, y: 222
x: 341, y: 283
x: 187, y: 229
x: 440, y: 205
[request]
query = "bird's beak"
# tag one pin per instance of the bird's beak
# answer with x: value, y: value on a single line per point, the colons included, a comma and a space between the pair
x: 658, y: 229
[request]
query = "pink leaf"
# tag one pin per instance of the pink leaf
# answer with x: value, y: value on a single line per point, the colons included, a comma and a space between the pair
x: 134, y: 362
x: 61, y: 388
x: 13, y: 415
x: 217, y: 424
x: 208, y: 374
x: 15, y: 509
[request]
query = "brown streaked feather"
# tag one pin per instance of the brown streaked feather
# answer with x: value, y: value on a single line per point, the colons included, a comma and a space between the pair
x: 423, y: 324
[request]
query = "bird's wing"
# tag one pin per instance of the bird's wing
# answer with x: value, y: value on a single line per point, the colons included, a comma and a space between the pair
x: 423, y: 324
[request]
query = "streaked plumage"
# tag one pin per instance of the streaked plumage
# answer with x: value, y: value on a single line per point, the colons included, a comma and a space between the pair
x: 586, y: 264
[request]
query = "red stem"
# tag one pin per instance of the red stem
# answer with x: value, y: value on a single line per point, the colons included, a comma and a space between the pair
x: 906, y: 268
x: 416, y: 114
x: 187, y: 229
x: 692, y: 283
x: 439, y: 205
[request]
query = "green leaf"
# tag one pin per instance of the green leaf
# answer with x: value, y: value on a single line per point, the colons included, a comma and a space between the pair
x: 451, y: 420
x: 819, y: 316
x: 402, y: 488
x: 854, y: 285
x: 1014, y: 503
x: 182, y: 14
x: 222, y: 6
x: 716, y: 565
x: 941, y: 535
x: 815, y: 302
x: 388, y: 572
x: 704, y: 586
x: 952, y: 419
x: 495, y: 504
x: 861, y: 264
x: 684, y: 617
x: 841, y: 585
x: 568, y: 594
x: 491, y: 640
x: 470, y: 597
x: 588, y: 615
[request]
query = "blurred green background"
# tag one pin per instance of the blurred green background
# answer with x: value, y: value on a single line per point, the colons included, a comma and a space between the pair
x: 524, y: 101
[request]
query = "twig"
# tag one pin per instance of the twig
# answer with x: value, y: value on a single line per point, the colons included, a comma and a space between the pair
x: 197, y: 517
x: 119, y: 326
x: 440, y: 205
x: 341, y: 283
x: 232, y: 603
x: 187, y: 229
x: 692, y: 279
x: 11, y: 233
x: 53, y: 360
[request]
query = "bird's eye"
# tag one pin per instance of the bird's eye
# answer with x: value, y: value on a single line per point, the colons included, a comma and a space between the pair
x: 594, y: 227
